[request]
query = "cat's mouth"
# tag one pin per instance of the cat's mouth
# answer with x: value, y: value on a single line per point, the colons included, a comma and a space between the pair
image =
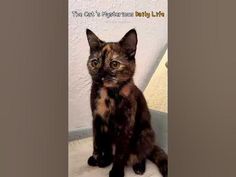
x: 109, y: 82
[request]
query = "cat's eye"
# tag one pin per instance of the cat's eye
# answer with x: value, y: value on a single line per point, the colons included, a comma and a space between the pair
x: 114, y: 64
x: 95, y: 63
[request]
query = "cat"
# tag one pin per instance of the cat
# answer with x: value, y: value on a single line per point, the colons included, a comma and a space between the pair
x: 122, y: 131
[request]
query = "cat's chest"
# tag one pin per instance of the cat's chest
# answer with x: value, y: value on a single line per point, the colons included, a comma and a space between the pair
x: 104, y: 104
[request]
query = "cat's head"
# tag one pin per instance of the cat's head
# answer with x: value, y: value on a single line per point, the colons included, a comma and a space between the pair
x: 112, y: 63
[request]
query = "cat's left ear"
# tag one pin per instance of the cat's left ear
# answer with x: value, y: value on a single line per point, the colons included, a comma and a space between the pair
x: 129, y: 42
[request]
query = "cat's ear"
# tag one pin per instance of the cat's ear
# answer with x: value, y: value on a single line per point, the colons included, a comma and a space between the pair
x: 129, y: 42
x: 94, y: 42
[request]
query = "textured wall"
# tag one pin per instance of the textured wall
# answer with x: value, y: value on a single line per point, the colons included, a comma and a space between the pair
x: 152, y: 36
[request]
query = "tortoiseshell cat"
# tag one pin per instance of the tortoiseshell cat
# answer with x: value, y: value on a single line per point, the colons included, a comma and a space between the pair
x: 121, y: 119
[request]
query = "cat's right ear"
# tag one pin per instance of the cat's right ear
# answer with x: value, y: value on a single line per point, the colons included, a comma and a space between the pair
x: 94, y: 42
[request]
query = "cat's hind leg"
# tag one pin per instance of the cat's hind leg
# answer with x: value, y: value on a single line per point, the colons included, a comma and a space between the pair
x: 142, y: 148
x: 140, y: 167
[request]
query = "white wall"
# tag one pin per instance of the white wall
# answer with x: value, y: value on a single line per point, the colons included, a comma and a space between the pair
x: 152, y: 41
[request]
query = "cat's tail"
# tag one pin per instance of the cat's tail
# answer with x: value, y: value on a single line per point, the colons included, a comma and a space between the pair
x: 160, y: 158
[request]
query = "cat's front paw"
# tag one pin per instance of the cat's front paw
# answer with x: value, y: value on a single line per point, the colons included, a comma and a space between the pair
x: 116, y: 173
x: 139, y: 168
x: 92, y: 161
x: 104, y: 161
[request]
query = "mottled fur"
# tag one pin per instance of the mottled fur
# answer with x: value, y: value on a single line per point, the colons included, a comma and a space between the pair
x: 121, y: 118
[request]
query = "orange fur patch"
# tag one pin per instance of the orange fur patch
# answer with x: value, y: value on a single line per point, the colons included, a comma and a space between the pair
x: 109, y: 84
x: 126, y: 90
x: 133, y: 159
x: 104, y: 128
x: 101, y: 106
x: 107, y: 47
x: 113, y: 149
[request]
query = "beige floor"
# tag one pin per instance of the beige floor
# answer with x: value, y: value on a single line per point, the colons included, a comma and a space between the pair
x: 80, y: 150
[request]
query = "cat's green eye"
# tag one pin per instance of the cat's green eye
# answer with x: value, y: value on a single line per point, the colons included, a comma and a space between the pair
x: 114, y: 64
x: 95, y: 63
